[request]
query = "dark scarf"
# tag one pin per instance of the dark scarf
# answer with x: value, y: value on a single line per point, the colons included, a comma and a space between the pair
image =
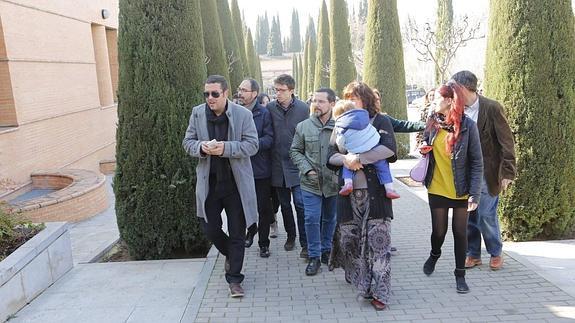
x: 439, y: 120
x: 218, y: 130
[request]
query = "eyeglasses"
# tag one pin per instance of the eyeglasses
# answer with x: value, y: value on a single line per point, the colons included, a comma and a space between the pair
x: 244, y: 90
x: 280, y: 90
x: 214, y: 94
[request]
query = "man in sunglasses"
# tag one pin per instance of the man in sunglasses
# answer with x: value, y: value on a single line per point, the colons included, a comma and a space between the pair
x: 287, y: 112
x: 222, y: 135
x: 261, y: 163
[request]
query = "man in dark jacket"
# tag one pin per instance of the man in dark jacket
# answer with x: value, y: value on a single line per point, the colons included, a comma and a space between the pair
x: 498, y: 171
x: 287, y: 112
x: 261, y: 163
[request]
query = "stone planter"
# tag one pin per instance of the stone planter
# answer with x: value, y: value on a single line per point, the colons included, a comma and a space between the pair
x: 33, y: 267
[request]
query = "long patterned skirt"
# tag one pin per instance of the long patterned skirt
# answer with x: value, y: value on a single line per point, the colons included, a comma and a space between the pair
x: 362, y: 247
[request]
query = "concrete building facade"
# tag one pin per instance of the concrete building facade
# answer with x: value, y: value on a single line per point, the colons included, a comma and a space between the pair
x: 58, y: 81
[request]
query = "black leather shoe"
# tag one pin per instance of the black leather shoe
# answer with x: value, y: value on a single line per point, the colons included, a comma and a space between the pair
x: 290, y: 244
x: 264, y: 252
x: 313, y: 267
x: 429, y: 265
x: 249, y: 239
x: 303, y: 253
x: 461, y: 285
x: 325, y: 257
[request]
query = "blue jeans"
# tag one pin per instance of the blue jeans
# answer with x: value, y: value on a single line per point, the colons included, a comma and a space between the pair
x: 381, y: 167
x: 484, y: 222
x: 318, y: 207
x: 284, y: 195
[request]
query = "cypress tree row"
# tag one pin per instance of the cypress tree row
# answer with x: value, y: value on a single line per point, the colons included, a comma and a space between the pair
x: 312, y: 43
x: 159, y: 83
x: 251, y: 52
x: 323, y: 56
x: 342, y: 68
x: 294, y: 70
x: 530, y: 70
x: 213, y: 42
x: 233, y: 49
x: 444, y: 25
x: 238, y: 27
x: 263, y: 35
x: 383, y: 62
x: 275, y: 40
x: 303, y: 77
x: 295, y: 37
x: 259, y: 77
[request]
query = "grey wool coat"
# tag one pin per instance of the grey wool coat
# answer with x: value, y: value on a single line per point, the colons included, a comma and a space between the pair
x: 241, y: 145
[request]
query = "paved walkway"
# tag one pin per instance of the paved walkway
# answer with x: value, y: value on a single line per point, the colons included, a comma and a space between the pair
x: 277, y: 290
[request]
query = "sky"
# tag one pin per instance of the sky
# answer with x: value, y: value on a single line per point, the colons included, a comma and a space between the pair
x: 471, y: 57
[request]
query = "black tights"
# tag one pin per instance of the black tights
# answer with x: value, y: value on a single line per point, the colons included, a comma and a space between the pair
x: 459, y: 228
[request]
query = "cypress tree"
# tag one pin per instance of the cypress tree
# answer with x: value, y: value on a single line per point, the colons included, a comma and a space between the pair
x: 300, y: 74
x: 321, y: 73
x: 213, y: 42
x: 383, y: 62
x: 251, y: 52
x: 530, y: 70
x: 233, y: 52
x: 258, y: 33
x: 342, y: 68
x: 259, y: 71
x: 159, y: 82
x: 238, y: 27
x: 311, y: 56
x: 275, y: 41
x: 264, y: 35
x: 444, y: 25
x: 294, y: 67
x: 303, y: 77
x: 295, y: 37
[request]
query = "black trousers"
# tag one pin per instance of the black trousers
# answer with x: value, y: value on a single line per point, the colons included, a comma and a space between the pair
x: 263, y: 193
x: 232, y: 246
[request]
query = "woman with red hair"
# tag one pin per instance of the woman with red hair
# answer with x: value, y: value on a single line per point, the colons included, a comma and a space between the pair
x: 454, y: 175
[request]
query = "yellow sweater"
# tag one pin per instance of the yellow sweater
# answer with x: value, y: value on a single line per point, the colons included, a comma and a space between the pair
x: 442, y: 182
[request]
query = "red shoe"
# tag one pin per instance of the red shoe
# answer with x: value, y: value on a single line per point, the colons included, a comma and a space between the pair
x: 346, y: 190
x: 392, y: 195
x: 379, y: 306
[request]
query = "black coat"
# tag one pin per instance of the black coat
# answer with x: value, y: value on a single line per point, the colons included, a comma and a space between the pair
x: 379, y: 205
x: 466, y: 160
x: 262, y: 161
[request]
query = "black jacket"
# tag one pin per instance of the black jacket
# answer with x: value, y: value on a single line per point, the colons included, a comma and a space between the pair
x: 466, y: 160
x: 262, y: 161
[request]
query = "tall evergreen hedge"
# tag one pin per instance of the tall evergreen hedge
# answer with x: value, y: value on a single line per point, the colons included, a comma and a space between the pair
x: 263, y: 35
x: 159, y: 83
x: 342, y: 68
x: 303, y: 77
x: 275, y: 40
x: 323, y: 56
x: 295, y: 37
x: 530, y: 70
x: 444, y: 25
x: 252, y: 57
x: 238, y: 27
x: 231, y: 44
x: 311, y: 55
x: 383, y: 62
x: 294, y: 70
x: 300, y: 75
x: 213, y: 41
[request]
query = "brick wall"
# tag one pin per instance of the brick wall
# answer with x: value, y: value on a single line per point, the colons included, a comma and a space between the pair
x: 47, y: 53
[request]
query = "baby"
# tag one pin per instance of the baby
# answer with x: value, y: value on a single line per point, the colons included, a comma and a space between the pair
x: 355, y: 133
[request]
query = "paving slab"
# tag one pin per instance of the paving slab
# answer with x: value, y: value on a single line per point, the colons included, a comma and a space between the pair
x: 142, y: 291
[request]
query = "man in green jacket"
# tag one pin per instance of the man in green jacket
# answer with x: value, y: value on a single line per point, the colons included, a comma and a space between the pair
x: 319, y: 187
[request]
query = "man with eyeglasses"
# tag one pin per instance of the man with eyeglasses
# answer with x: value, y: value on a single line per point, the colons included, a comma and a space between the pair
x: 261, y: 163
x: 287, y: 112
x: 319, y: 184
x: 222, y: 135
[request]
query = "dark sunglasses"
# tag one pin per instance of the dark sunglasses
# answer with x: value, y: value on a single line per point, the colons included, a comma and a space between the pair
x: 214, y: 94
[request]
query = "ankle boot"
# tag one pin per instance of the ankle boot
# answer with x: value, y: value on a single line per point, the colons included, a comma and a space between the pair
x: 462, y: 287
x: 429, y: 265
